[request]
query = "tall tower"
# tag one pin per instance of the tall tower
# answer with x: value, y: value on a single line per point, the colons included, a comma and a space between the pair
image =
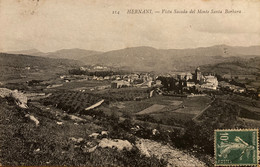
x: 197, y: 74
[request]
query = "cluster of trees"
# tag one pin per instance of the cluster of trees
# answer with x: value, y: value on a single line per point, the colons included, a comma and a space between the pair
x: 233, y: 82
x: 71, y: 101
x: 171, y: 83
x: 34, y: 82
x: 248, y: 93
x: 96, y: 73
x: 176, y: 85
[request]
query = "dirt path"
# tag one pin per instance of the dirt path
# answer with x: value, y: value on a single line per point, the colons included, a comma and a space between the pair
x: 173, y: 156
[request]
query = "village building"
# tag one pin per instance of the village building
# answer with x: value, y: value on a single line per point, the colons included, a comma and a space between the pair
x: 146, y: 77
x: 83, y: 69
x: 184, y: 76
x: 148, y: 84
x: 100, y: 78
x: 190, y: 84
x: 189, y: 76
x: 106, y: 77
x: 94, y: 77
x: 120, y: 84
x: 244, y: 77
x: 99, y: 68
x: 227, y: 76
x: 239, y: 77
x: 210, y: 82
x: 158, y: 82
x: 198, y: 74
x: 134, y: 76
x: 28, y: 68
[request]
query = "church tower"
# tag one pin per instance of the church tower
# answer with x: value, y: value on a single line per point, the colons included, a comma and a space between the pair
x: 197, y: 74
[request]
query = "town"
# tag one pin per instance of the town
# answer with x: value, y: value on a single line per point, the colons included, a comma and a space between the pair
x: 105, y: 108
x: 129, y: 83
x: 177, y: 83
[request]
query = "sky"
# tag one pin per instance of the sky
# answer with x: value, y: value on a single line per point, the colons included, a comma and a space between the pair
x: 50, y: 25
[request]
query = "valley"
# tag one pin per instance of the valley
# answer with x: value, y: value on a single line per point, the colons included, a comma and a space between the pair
x: 97, y: 114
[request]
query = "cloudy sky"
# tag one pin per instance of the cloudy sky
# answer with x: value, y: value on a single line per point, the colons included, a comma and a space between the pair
x: 49, y: 25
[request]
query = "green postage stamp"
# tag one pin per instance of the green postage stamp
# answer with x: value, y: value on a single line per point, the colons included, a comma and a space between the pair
x: 236, y: 147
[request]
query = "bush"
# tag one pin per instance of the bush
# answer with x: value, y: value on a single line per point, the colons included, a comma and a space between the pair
x: 111, y: 157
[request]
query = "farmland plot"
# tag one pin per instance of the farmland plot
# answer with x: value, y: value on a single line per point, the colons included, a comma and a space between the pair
x: 152, y: 109
x: 71, y: 101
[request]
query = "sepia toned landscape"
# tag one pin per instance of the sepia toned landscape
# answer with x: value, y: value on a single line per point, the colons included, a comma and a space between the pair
x: 97, y: 87
x: 77, y: 112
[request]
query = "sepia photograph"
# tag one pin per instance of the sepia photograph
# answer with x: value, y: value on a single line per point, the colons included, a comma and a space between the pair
x: 98, y: 83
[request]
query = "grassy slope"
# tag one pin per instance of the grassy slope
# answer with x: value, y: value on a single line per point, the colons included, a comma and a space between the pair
x: 22, y: 143
x: 20, y: 138
x: 243, y: 66
x: 12, y: 66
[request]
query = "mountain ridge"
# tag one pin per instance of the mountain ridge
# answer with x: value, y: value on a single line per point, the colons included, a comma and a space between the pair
x: 151, y: 59
x: 146, y: 58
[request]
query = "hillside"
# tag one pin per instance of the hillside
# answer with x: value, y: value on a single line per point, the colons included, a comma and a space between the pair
x: 151, y: 59
x: 18, y: 60
x: 15, y: 65
x: 243, y: 66
x: 74, y: 54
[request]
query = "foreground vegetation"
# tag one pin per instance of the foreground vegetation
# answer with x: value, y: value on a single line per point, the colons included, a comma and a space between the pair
x: 23, y: 143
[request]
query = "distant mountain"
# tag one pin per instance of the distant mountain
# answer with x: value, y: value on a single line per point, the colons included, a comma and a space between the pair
x: 32, y: 52
x: 75, y: 54
x: 139, y: 58
x: 150, y: 59
x: 145, y: 58
x: 219, y: 50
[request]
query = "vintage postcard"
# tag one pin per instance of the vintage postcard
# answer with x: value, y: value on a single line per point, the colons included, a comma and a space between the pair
x: 129, y: 83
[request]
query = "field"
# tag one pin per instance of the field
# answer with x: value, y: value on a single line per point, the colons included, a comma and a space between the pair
x: 125, y: 94
x: 76, y: 101
x: 71, y: 101
x: 82, y: 85
x: 152, y: 109
x: 167, y: 110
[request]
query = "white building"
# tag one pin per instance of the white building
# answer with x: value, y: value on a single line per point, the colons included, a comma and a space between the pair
x: 210, y: 82
x: 119, y: 84
x: 190, y: 84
